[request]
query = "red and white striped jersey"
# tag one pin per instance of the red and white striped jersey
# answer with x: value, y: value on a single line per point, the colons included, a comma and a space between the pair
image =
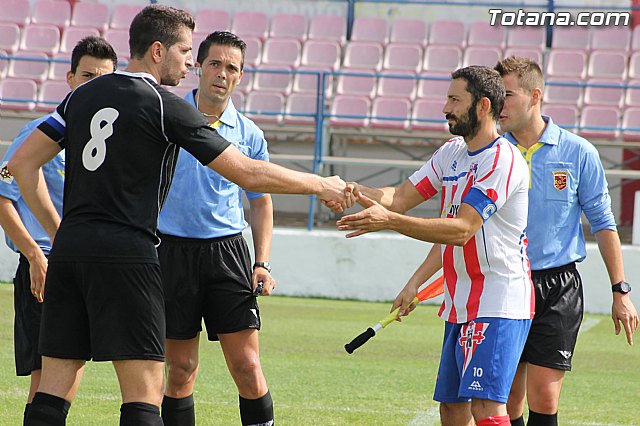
x: 490, y: 275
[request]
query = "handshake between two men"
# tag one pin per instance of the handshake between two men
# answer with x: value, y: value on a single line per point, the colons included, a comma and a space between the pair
x: 381, y: 206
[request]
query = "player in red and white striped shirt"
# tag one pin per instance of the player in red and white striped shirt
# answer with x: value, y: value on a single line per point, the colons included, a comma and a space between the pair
x: 480, y: 242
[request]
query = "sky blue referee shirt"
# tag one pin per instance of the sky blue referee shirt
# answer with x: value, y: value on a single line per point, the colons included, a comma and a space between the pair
x: 54, y: 177
x: 567, y: 178
x: 201, y: 203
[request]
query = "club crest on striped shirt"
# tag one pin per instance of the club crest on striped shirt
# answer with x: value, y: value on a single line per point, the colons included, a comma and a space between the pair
x: 471, y: 335
x: 560, y: 179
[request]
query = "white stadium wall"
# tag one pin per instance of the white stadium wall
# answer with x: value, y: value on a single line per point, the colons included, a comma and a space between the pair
x: 375, y: 267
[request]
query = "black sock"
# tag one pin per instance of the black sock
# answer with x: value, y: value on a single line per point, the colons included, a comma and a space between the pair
x: 140, y: 414
x: 257, y: 411
x: 517, y: 422
x: 537, y: 419
x: 47, y: 410
x: 178, y: 411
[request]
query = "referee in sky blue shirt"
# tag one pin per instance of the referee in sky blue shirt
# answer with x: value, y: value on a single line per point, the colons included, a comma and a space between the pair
x: 567, y: 178
x: 206, y: 264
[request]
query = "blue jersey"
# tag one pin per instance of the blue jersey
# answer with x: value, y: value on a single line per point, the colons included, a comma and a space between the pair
x: 54, y: 177
x: 567, y: 178
x: 202, y: 203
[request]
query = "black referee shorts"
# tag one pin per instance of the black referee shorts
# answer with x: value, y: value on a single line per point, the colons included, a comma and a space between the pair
x: 103, y: 311
x: 26, y: 325
x: 559, y: 310
x: 210, y: 279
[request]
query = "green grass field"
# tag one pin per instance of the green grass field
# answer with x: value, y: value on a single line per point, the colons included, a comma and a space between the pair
x: 389, y: 381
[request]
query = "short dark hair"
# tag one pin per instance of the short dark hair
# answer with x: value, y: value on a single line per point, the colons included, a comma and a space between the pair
x: 483, y: 82
x: 157, y: 23
x: 221, y: 38
x: 93, y: 46
x: 529, y: 72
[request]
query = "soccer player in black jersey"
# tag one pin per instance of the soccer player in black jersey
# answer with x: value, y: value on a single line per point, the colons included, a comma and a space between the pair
x: 92, y: 56
x: 122, y: 133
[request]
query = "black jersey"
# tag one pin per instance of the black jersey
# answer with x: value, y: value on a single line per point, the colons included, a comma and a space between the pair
x: 122, y: 133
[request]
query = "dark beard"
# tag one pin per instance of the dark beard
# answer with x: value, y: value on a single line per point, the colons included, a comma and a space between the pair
x: 469, y: 125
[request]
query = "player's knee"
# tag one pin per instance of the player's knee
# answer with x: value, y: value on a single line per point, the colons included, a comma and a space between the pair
x: 182, y: 371
x: 246, y: 368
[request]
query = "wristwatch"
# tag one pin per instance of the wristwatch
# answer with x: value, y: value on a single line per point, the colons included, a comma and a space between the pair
x: 265, y: 265
x: 621, y: 287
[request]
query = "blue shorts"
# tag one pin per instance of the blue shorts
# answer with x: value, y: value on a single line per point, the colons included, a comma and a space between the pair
x: 479, y: 359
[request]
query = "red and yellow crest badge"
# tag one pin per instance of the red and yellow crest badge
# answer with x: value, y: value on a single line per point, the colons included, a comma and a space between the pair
x: 560, y: 179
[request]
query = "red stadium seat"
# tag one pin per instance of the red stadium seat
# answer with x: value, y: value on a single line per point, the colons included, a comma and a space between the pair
x: 427, y: 115
x: 265, y: 107
x: 390, y: 87
x: 73, y: 35
x: 51, y: 94
x: 52, y: 12
x: 119, y: 40
x: 280, y: 82
x: 632, y: 96
x: 567, y: 63
x: 123, y: 14
x: 442, y: 58
x: 301, y: 103
x: 358, y: 107
x: 483, y: 34
x: 635, y: 38
x: 196, y: 39
x: 612, y: 95
x: 600, y: 122
x: 9, y: 37
x: 607, y: 64
x: 611, y: 37
x: 363, y: 55
x: 322, y: 54
x: 253, y: 53
x: 631, y: 124
x: 308, y: 83
x: 403, y: 56
x: 254, y: 24
x: 436, y: 86
x: 285, y: 52
x: 246, y: 83
x: 370, y: 29
x: 86, y: 14
x: 413, y: 31
x: 481, y: 55
x: 532, y: 37
x: 328, y: 27
x: 34, y: 66
x: 210, y: 20
x: 573, y: 37
x: 563, y: 115
x: 60, y: 65
x: 4, y: 64
x: 16, y: 12
x: 451, y: 33
x: 289, y: 25
x: 18, y: 94
x: 43, y: 38
x: 356, y: 82
x: 390, y: 113
x: 634, y: 66
x: 566, y: 91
